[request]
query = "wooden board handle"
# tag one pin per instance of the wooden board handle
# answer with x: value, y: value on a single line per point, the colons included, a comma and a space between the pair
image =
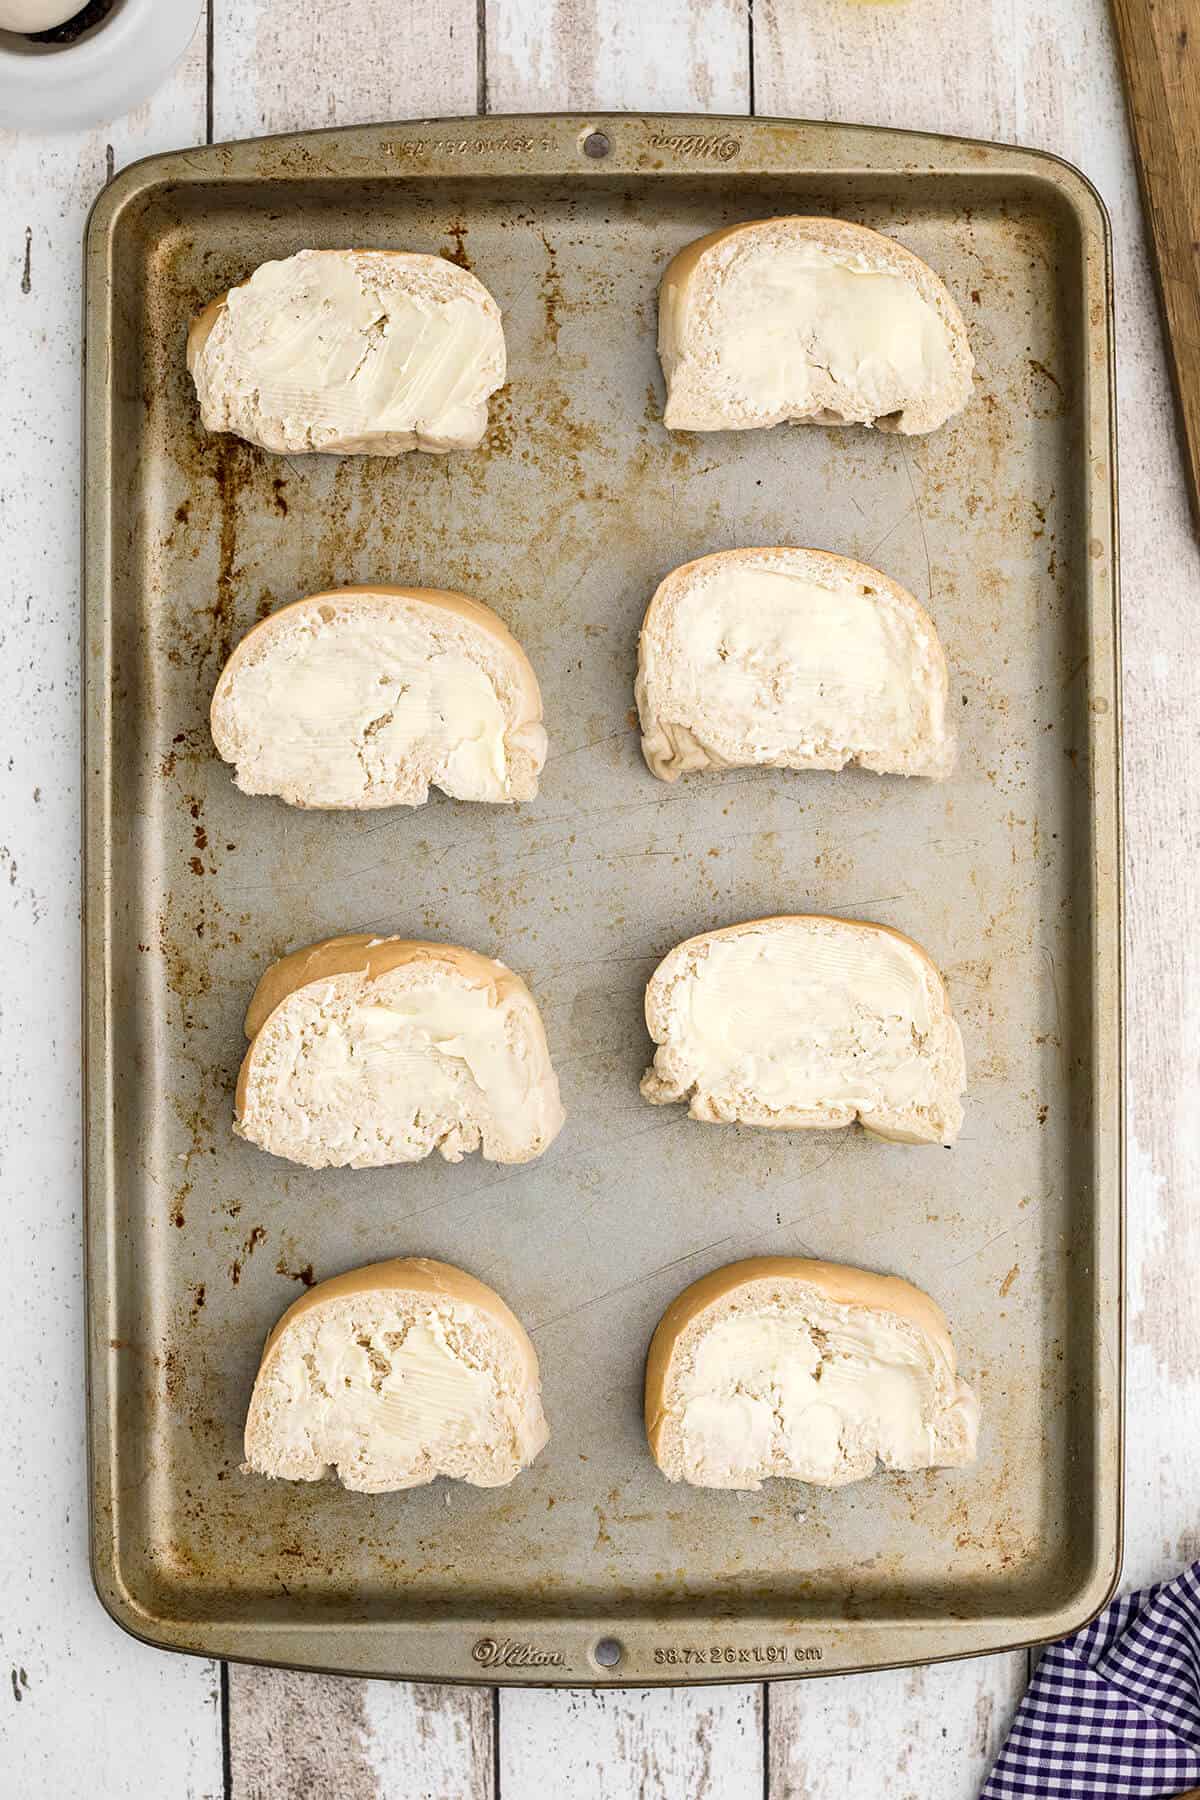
x: 1159, y: 42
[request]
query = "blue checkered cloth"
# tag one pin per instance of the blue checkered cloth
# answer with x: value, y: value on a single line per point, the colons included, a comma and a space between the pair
x: 1114, y: 1710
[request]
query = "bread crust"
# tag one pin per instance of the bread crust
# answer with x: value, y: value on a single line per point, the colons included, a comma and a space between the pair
x: 686, y: 271
x: 408, y: 1274
x: 670, y: 749
x: 841, y: 1283
x: 200, y: 329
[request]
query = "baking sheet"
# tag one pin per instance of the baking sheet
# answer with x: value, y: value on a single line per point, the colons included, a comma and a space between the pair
x: 565, y: 520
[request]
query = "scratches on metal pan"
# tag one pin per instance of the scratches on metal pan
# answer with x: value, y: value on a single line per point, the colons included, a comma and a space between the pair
x: 625, y: 1287
x: 979, y: 1250
x: 869, y: 555
x: 920, y: 518
x: 592, y: 744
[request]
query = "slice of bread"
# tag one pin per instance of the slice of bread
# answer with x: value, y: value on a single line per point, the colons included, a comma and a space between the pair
x: 353, y: 352
x: 392, y: 1375
x: 370, y: 1051
x: 807, y: 1023
x: 816, y: 320
x: 367, y: 696
x: 806, y: 1370
x: 790, y: 659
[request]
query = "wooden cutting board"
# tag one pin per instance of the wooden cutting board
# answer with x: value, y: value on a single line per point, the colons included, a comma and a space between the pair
x: 1159, y: 43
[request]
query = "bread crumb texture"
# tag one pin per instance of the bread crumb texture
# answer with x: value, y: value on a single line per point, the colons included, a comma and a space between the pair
x: 366, y: 698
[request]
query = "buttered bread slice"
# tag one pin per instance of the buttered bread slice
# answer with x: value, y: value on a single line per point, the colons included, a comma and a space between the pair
x: 807, y: 1023
x: 392, y: 1375
x: 369, y: 1051
x: 353, y: 352
x: 804, y: 1371
x: 367, y: 697
x: 816, y: 320
x: 790, y: 659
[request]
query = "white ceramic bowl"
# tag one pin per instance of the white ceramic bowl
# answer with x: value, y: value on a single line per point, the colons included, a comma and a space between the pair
x: 102, y: 75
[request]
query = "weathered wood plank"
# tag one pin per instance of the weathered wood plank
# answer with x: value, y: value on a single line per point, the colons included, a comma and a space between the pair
x: 294, y: 68
x: 1162, y: 83
x: 80, y: 1694
x: 565, y: 54
x: 658, y: 1744
x: 319, y: 1737
x: 931, y: 1734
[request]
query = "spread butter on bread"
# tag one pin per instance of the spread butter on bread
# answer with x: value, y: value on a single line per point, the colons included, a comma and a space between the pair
x: 807, y: 1371
x: 815, y: 320
x: 351, y: 352
x: 391, y: 1375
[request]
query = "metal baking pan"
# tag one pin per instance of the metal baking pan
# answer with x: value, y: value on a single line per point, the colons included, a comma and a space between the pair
x: 564, y: 520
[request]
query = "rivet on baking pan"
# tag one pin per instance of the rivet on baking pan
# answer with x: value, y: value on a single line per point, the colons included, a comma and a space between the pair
x: 608, y: 1652
x: 597, y: 144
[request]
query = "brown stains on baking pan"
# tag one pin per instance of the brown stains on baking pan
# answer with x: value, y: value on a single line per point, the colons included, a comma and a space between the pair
x: 550, y: 288
x: 1045, y: 394
x: 455, y: 250
x: 256, y: 1237
x: 499, y: 437
x: 304, y: 1275
x: 190, y: 746
x: 189, y: 975
x: 172, y: 1369
x: 231, y: 486
x: 179, y: 1200
x: 227, y: 459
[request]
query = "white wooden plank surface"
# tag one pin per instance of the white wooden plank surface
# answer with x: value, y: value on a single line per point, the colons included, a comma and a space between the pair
x: 328, y: 1739
x: 657, y: 1744
x: 562, y: 55
x: 79, y: 1694
x: 284, y: 67
x: 1040, y: 71
x: 921, y: 1733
